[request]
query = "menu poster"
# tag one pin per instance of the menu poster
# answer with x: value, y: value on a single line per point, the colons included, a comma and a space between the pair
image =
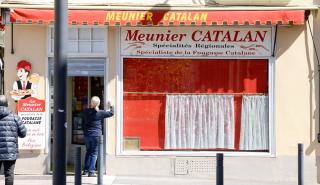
x: 32, y: 113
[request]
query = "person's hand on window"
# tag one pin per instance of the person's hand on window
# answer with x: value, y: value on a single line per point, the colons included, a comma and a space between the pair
x: 109, y: 105
x: 97, y: 108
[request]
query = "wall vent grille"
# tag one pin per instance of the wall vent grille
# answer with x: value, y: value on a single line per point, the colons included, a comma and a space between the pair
x: 194, y: 167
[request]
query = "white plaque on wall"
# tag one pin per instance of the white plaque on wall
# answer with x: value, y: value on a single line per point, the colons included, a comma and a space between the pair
x: 196, y: 41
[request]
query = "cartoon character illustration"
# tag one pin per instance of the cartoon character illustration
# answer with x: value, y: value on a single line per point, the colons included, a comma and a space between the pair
x: 23, y: 87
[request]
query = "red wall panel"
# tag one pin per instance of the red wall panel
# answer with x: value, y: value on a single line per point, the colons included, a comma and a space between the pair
x: 144, y: 118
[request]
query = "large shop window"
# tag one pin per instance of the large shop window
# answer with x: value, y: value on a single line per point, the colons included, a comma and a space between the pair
x: 195, y: 104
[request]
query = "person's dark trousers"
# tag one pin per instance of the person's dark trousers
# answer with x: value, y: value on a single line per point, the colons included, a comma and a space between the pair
x: 92, y: 146
x: 8, y: 171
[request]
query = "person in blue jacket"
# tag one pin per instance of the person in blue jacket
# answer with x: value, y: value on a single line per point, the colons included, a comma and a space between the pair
x: 92, y: 131
x: 11, y: 127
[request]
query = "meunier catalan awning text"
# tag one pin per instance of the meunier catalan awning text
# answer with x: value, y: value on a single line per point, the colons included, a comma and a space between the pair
x: 148, y: 16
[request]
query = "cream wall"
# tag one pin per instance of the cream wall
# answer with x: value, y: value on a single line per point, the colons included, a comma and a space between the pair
x: 112, y: 92
x: 296, y: 87
x: 172, y: 2
x: 297, y: 115
x: 29, y: 43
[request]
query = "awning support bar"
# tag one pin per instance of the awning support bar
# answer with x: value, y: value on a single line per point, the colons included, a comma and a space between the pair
x: 275, y: 41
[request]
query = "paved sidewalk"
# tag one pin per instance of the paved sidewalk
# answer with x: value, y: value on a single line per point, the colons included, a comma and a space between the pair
x: 132, y: 180
x: 110, y: 180
x: 47, y: 180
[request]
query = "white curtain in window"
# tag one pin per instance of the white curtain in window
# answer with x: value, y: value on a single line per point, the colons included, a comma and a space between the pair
x: 199, y: 122
x: 254, y: 123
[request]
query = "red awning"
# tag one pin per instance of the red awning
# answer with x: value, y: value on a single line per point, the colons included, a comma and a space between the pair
x: 160, y: 17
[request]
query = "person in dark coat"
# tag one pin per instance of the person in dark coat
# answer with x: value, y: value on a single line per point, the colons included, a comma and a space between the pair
x: 92, y: 131
x: 11, y: 127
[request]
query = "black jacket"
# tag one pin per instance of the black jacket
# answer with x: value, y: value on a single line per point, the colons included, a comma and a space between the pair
x: 93, y: 121
x: 11, y: 128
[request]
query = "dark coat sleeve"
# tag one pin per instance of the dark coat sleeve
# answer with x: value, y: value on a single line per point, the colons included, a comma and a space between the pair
x: 22, y: 130
x: 107, y: 114
x: 84, y: 121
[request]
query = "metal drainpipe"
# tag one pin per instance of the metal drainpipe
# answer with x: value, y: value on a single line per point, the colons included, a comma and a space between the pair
x: 12, y: 50
x: 319, y: 103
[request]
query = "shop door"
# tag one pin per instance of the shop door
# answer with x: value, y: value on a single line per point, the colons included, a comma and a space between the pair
x: 83, y: 88
x: 85, y: 78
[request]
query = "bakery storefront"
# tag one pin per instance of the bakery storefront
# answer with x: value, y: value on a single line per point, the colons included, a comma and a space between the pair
x: 199, y: 90
x: 186, y: 85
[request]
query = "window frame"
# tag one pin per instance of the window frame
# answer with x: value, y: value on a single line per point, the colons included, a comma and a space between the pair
x: 119, y: 111
x: 80, y: 54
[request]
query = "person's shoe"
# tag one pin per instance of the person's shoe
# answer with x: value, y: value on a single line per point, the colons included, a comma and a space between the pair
x: 92, y: 174
x: 85, y: 172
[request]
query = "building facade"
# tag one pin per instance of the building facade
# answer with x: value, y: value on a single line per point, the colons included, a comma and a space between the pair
x: 189, y: 80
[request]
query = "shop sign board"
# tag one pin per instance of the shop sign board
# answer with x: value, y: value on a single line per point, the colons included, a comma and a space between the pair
x: 196, y: 41
x: 32, y: 113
